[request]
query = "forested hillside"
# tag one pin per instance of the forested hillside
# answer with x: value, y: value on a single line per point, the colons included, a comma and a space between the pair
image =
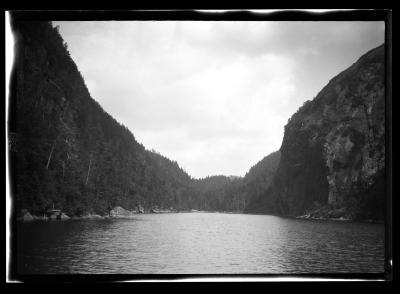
x: 234, y: 194
x: 67, y: 152
x: 65, y: 149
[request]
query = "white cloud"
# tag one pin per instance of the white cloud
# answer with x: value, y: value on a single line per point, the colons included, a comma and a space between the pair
x: 213, y: 96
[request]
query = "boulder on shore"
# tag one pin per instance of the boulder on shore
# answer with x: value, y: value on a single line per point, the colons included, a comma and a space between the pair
x: 38, y: 217
x: 118, y: 211
x: 53, y: 217
x: 95, y: 216
x: 91, y: 216
x: 63, y: 216
x: 27, y: 217
x: 139, y: 209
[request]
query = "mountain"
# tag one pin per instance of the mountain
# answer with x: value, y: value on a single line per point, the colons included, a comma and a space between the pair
x: 65, y: 150
x: 258, y: 179
x: 233, y: 193
x: 333, y: 151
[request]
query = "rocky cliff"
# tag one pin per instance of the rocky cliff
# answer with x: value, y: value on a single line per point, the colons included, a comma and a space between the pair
x: 65, y: 150
x: 333, y: 151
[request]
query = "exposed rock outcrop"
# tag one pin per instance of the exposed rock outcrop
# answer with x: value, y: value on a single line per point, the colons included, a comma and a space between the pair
x: 40, y: 217
x: 118, y: 211
x: 333, y: 151
x: 26, y: 217
x: 63, y: 216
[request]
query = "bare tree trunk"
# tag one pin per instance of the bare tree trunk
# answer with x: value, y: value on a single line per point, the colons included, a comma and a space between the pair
x: 51, y: 152
x: 87, y: 176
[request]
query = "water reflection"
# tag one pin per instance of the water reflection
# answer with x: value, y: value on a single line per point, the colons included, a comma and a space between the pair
x: 200, y: 243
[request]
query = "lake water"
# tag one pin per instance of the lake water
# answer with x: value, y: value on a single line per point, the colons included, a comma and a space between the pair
x: 199, y: 243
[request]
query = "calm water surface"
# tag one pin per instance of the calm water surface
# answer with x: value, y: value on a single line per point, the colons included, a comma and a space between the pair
x: 199, y: 243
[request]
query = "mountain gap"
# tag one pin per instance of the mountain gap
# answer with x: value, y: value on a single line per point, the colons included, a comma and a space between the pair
x: 67, y: 152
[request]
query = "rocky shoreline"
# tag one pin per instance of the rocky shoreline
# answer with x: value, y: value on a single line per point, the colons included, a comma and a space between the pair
x: 121, y: 213
x: 339, y: 219
x: 116, y: 212
x: 336, y: 213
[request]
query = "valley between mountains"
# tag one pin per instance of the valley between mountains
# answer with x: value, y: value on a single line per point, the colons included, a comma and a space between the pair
x: 66, y: 152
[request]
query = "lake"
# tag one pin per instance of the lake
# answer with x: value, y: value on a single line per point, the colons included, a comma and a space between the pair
x: 199, y: 243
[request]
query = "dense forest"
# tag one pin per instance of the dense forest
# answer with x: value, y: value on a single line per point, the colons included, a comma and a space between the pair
x: 67, y: 152
x: 233, y: 194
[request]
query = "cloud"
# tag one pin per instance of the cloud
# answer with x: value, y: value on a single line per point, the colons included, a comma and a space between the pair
x: 213, y: 96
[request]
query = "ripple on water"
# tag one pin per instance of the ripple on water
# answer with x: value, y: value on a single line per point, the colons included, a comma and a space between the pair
x: 200, y: 243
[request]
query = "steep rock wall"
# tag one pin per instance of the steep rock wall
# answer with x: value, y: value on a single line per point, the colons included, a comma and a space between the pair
x: 333, y: 151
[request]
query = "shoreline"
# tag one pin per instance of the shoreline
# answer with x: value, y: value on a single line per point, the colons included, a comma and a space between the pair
x: 132, y: 215
x: 341, y: 219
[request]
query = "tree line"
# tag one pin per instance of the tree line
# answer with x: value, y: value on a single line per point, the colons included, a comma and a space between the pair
x: 66, y: 151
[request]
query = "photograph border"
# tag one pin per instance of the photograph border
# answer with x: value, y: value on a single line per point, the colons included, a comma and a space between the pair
x: 242, y: 15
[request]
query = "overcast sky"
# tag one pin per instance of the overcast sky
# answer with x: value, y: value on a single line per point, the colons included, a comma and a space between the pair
x: 214, y: 96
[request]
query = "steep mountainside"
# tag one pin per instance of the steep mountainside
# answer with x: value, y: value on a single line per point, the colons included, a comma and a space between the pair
x: 221, y: 193
x: 65, y: 149
x: 333, y: 151
x: 259, y: 178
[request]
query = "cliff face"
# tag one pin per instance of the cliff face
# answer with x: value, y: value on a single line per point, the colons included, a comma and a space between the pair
x: 333, y: 151
x: 67, y: 151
